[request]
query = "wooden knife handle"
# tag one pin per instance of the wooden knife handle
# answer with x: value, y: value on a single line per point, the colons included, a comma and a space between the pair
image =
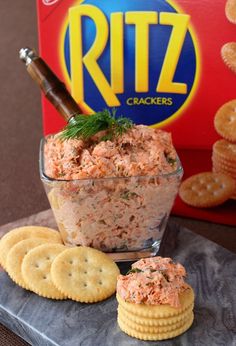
x: 54, y: 90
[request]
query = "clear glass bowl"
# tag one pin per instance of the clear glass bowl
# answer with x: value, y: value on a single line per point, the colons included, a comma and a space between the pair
x: 123, y: 216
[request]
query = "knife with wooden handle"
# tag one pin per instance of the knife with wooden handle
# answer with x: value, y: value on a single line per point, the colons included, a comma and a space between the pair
x: 54, y: 90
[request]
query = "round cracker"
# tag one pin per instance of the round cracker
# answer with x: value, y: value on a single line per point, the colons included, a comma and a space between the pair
x: 159, y: 311
x: 21, y: 233
x: 228, y: 54
x: 221, y: 168
x: 151, y: 329
x: 84, y: 274
x: 15, y: 258
x: 225, y: 119
x: 208, y: 189
x: 225, y: 150
x: 154, y: 322
x: 230, y: 10
x: 36, y: 270
x: 155, y: 336
x: 223, y: 162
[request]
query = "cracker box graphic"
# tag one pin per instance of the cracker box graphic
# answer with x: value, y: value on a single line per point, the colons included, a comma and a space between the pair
x: 156, y: 61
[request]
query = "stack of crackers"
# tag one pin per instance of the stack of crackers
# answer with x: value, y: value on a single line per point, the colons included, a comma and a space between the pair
x: 158, y: 322
x: 210, y: 189
x: 224, y: 150
x: 154, y: 301
x: 35, y: 259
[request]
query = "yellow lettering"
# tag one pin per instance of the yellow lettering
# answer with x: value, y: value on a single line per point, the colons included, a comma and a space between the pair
x: 129, y: 101
x: 141, y: 20
x: 117, y: 52
x: 91, y: 57
x: 148, y: 101
x: 180, y: 27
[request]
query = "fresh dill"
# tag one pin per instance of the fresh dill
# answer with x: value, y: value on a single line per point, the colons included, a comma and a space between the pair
x: 169, y: 159
x: 85, y: 126
x: 134, y: 270
x: 128, y: 194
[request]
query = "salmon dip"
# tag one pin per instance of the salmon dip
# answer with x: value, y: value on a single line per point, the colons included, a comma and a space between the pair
x: 112, y: 194
x: 153, y: 281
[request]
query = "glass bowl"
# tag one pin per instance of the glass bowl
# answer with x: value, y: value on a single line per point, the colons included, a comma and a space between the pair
x: 123, y: 216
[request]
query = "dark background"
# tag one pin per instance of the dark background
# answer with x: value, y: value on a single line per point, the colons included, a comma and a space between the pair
x: 21, y: 191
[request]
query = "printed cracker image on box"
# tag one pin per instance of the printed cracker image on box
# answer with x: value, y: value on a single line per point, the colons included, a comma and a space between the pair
x: 162, y: 63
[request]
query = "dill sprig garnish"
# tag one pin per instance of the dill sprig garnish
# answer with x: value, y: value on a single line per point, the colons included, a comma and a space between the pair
x: 134, y: 270
x: 85, y: 126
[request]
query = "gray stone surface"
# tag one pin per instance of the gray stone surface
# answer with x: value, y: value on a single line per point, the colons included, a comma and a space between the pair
x: 211, y: 272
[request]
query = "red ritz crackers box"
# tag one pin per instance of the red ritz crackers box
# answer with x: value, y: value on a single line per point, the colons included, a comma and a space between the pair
x: 163, y: 63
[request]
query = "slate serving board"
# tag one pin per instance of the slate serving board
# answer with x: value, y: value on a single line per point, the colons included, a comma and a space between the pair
x: 211, y: 272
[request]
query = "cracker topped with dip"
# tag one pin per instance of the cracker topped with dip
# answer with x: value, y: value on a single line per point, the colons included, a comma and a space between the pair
x: 155, y: 303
